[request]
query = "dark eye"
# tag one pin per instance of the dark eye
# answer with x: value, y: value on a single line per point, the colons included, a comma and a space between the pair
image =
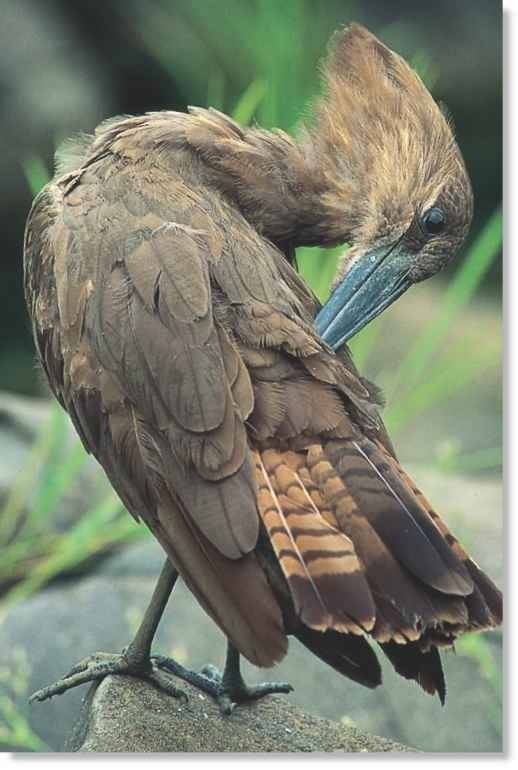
x: 434, y: 221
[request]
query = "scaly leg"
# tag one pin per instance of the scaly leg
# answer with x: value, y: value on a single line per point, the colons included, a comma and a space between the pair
x: 229, y: 688
x: 135, y: 659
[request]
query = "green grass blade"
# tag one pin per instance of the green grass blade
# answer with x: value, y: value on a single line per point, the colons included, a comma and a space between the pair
x: 90, y: 535
x: 486, y: 459
x: 42, y: 450
x: 249, y: 101
x: 454, y: 374
x: 59, y: 480
x: 318, y: 267
x: 478, y: 648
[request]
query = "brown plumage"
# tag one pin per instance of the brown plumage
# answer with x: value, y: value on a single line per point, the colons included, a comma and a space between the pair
x: 175, y: 332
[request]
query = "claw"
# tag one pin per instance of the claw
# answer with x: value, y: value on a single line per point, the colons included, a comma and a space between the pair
x: 210, y: 671
x: 103, y: 664
x: 211, y: 682
x: 226, y: 704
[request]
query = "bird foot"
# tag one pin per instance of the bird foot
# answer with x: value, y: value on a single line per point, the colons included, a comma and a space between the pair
x: 228, y: 692
x: 101, y: 664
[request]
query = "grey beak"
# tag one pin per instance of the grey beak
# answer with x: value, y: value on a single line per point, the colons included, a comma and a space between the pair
x: 373, y: 283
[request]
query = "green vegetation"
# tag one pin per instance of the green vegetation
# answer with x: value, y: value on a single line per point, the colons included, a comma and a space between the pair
x: 35, y: 546
x: 15, y: 730
x: 480, y: 649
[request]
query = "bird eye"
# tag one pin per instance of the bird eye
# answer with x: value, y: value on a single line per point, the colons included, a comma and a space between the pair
x: 434, y: 221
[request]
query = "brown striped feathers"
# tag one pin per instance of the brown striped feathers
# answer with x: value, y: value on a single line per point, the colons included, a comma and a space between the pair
x: 484, y: 604
x: 318, y: 561
x: 364, y: 554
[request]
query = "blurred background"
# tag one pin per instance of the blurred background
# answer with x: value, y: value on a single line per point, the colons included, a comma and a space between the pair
x: 71, y: 558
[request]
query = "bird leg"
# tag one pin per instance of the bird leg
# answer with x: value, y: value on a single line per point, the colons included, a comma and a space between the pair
x: 135, y: 659
x: 229, y: 688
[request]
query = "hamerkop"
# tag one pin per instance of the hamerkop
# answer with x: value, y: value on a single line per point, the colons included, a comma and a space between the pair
x: 221, y: 400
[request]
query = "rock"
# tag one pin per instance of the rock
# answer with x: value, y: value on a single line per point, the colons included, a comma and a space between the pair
x: 123, y: 714
x: 20, y: 419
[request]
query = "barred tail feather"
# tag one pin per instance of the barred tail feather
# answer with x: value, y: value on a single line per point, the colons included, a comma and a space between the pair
x: 485, y: 603
x: 449, y: 594
x: 318, y: 561
x: 403, y: 608
x: 363, y: 553
x: 397, y: 517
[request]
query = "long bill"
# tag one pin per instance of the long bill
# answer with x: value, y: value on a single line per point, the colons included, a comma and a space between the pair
x: 375, y: 280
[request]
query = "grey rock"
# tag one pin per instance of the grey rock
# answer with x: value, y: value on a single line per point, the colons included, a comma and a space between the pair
x: 123, y: 714
x: 20, y: 419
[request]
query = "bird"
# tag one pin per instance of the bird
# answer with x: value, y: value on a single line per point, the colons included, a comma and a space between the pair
x: 219, y: 395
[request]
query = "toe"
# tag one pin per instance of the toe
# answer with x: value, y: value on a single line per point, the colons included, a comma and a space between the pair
x: 211, y: 672
x: 165, y: 683
x: 225, y: 703
x: 269, y: 688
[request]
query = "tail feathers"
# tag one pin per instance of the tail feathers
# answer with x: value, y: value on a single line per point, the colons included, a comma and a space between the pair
x: 326, y: 580
x: 486, y: 597
x: 353, y: 657
x: 403, y: 606
x: 425, y: 668
x: 485, y: 602
x: 358, y: 486
x: 396, y: 516
x: 350, y: 655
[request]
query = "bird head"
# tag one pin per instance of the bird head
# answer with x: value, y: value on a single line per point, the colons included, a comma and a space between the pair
x: 392, y: 180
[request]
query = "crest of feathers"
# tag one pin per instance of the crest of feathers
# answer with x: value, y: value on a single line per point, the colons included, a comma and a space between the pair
x: 377, y: 133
